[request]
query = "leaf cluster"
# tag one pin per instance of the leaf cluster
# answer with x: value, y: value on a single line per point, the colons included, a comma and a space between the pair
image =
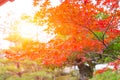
x: 112, y: 52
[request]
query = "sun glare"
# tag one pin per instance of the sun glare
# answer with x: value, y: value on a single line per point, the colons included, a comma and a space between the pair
x: 12, y: 11
x: 32, y: 31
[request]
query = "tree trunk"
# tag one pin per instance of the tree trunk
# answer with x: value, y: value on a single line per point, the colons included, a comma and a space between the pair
x: 86, y: 71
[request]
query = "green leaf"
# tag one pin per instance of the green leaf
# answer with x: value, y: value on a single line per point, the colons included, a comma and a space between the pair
x: 116, y: 46
x: 108, y: 75
x: 112, y: 50
x: 100, y: 35
x: 101, y: 16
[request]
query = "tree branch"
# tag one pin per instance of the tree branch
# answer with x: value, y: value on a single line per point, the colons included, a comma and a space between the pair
x: 96, y: 36
x: 109, y: 23
x: 108, y: 26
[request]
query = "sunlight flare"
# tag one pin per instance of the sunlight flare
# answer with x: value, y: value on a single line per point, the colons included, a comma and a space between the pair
x: 34, y: 32
x: 11, y: 12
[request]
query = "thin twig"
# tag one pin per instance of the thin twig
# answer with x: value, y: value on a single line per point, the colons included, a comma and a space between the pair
x: 108, y: 25
x: 96, y: 36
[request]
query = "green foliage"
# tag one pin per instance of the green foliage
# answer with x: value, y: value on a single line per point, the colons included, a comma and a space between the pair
x: 108, y: 75
x: 101, y: 16
x: 32, y: 76
x: 31, y: 70
x: 112, y: 51
x: 100, y: 35
x: 67, y: 77
x: 21, y: 70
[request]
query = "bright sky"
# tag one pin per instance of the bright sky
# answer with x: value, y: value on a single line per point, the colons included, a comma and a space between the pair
x: 11, y: 11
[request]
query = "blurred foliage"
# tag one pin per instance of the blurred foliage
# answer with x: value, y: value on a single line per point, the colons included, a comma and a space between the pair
x: 31, y: 70
x: 100, y: 35
x: 101, y: 16
x: 108, y: 75
x: 112, y: 52
x: 63, y: 36
x: 73, y: 56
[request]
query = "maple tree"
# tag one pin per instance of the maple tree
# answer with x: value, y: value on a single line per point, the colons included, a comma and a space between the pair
x: 84, y: 32
x: 83, y: 29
